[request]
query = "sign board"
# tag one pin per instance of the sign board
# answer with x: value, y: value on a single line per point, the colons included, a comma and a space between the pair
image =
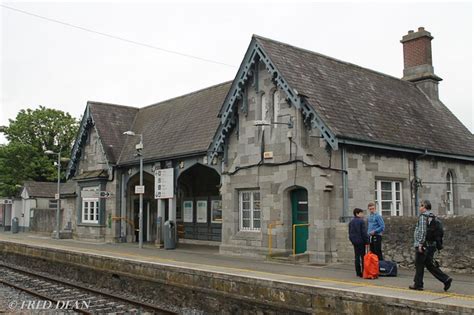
x: 6, y: 201
x: 139, y: 189
x: 88, y: 192
x: 56, y: 196
x: 104, y: 194
x: 268, y: 155
x: 188, y: 211
x: 164, y: 183
x: 201, y: 211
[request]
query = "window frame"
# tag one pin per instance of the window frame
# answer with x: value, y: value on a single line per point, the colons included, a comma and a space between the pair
x: 393, y: 198
x: 52, y: 201
x: 449, y: 193
x: 252, y: 211
x: 85, y: 215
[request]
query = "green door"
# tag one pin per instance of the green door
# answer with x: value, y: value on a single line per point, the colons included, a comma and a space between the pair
x: 299, y: 207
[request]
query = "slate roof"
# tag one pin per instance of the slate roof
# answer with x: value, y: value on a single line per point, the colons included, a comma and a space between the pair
x: 179, y: 126
x: 48, y: 189
x: 111, y: 121
x: 362, y: 104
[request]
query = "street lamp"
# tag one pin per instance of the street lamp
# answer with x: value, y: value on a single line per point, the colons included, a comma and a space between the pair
x: 139, y: 148
x: 49, y: 152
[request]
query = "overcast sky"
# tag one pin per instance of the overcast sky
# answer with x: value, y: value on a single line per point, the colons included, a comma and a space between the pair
x: 55, y: 65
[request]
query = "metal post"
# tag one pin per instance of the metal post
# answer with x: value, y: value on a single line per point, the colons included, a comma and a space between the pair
x: 140, y: 232
x: 59, y: 194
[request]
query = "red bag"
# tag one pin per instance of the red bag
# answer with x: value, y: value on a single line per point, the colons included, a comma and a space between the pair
x: 371, y: 265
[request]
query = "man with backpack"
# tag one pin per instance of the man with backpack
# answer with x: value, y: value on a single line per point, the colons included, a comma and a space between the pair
x: 428, y: 239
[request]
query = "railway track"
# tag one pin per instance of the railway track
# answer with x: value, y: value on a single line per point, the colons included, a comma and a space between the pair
x: 56, y: 294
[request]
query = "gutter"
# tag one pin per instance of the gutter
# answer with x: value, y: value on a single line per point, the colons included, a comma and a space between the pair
x: 423, y: 152
x: 166, y: 158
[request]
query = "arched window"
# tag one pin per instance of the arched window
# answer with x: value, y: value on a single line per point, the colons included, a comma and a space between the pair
x: 449, y: 194
x: 264, y: 108
x: 276, y: 106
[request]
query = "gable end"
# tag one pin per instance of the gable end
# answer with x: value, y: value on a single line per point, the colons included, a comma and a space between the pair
x: 248, y: 68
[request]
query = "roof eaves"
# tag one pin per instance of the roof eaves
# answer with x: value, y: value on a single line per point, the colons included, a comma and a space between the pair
x: 385, y: 146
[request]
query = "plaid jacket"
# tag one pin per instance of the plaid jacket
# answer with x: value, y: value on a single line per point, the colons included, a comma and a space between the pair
x: 420, y: 230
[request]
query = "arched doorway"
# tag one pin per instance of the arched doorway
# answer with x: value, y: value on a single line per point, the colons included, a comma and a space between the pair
x: 299, y: 214
x: 199, y: 206
x: 133, y: 209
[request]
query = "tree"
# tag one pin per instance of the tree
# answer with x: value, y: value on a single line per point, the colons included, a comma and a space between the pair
x: 29, y: 135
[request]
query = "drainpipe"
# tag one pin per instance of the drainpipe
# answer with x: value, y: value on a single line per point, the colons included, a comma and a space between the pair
x: 415, y: 174
x: 345, y: 184
x: 415, y: 184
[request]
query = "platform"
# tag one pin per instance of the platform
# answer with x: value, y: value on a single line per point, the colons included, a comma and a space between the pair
x: 335, y: 277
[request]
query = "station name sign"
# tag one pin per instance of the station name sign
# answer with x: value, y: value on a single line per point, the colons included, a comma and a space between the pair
x: 164, y: 183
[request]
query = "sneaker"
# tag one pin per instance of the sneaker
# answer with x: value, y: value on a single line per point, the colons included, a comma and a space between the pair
x: 447, y: 284
x: 414, y: 287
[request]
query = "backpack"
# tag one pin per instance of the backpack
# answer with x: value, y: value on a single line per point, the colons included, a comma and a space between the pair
x: 434, y: 231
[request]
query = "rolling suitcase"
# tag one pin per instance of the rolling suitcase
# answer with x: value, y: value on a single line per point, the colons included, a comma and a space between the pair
x: 371, y: 265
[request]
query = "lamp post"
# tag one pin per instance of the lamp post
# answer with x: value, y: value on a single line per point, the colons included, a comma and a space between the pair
x: 139, y: 148
x: 49, y: 152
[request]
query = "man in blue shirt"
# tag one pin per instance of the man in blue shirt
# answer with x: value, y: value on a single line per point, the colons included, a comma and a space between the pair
x: 376, y: 226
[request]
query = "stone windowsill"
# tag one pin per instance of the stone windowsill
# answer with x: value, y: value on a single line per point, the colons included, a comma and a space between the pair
x: 248, y: 235
x: 90, y: 225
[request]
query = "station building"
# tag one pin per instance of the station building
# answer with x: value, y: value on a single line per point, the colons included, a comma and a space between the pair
x: 176, y: 134
x: 278, y: 157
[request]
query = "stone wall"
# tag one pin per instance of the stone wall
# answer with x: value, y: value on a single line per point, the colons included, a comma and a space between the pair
x: 44, y: 220
x: 457, y: 255
x: 365, y: 166
x: 275, y: 182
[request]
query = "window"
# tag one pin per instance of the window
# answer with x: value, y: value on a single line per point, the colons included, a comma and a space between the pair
x: 388, y: 197
x: 90, y: 210
x: 276, y: 106
x: 449, y: 194
x: 264, y: 107
x: 249, y: 208
x: 53, y: 204
x: 216, y: 211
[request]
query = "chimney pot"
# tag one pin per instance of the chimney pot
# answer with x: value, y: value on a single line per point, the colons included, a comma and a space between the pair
x: 418, y: 65
x: 411, y: 31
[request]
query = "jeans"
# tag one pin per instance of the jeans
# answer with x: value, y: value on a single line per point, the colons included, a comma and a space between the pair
x: 425, y: 259
x: 376, y: 245
x: 359, y: 253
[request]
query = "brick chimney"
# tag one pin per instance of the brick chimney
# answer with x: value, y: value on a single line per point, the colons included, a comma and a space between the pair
x: 418, y: 64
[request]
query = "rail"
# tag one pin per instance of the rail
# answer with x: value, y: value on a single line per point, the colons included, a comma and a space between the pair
x: 270, y: 244
x: 62, y: 285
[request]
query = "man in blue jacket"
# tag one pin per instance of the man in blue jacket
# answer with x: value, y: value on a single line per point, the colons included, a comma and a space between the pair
x: 375, y: 231
x: 359, y: 239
